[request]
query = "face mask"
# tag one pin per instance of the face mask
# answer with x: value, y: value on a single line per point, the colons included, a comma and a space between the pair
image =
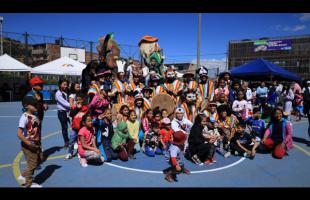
x: 190, y: 97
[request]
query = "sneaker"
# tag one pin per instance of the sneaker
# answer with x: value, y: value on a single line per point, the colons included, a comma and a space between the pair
x: 38, y: 167
x: 21, y: 180
x: 68, y: 156
x: 213, y: 160
x: 102, y: 159
x: 75, y: 147
x: 169, y: 177
x: 208, y: 162
x: 196, y: 159
x: 35, y: 185
x: 236, y: 153
x: 66, y: 146
x: 227, y: 154
x: 245, y: 155
x: 186, y: 171
x: 83, y: 162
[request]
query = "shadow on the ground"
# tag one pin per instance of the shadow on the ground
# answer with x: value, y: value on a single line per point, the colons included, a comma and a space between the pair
x: 46, y: 173
x: 50, y: 151
x: 300, y: 140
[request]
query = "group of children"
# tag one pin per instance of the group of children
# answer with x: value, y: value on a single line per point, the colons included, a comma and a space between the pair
x: 114, y: 120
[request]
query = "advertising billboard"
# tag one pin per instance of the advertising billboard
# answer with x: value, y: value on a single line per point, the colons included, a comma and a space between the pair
x: 272, y: 45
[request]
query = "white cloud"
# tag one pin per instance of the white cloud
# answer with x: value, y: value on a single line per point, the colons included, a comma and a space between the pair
x: 299, y: 28
x: 295, y: 28
x: 304, y: 17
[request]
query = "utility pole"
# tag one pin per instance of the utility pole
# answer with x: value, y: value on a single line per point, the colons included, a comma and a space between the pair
x: 1, y: 22
x: 91, y: 50
x: 198, y: 47
x: 26, y: 48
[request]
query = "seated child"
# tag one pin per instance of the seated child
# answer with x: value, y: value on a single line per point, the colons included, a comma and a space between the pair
x: 256, y: 125
x: 175, y: 157
x: 152, y: 143
x: 119, y: 142
x: 104, y: 135
x: 87, y: 148
x: 98, y: 104
x: 243, y: 143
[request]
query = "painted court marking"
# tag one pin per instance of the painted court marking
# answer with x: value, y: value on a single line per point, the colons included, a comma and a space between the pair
x: 16, y: 162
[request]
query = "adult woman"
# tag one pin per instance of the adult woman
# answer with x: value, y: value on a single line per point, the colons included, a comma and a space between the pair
x: 307, y: 105
x: 197, y: 147
x: 63, y: 107
x: 278, y: 136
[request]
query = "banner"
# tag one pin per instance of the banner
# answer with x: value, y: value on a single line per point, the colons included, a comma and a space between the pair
x: 272, y: 45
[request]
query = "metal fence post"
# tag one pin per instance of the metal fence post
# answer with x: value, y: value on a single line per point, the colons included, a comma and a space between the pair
x: 91, y: 50
x: 26, y: 48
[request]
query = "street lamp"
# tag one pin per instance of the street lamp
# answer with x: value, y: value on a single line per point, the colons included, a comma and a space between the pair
x: 1, y: 21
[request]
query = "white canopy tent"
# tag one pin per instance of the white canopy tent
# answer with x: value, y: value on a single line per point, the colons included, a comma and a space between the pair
x: 61, y: 66
x: 9, y: 64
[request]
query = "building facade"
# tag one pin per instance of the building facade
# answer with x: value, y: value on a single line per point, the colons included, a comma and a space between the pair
x: 292, y: 53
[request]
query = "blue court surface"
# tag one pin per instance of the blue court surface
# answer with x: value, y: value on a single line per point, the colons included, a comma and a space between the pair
x: 263, y: 171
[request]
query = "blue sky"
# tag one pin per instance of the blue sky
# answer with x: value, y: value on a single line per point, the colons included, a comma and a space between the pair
x: 177, y: 33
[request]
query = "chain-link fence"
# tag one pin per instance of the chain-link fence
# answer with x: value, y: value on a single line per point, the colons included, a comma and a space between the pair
x: 30, y: 48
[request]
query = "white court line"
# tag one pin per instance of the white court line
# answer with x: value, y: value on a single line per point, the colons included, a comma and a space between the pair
x: 193, y: 172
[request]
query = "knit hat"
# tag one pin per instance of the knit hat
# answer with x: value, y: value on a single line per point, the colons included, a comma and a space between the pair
x: 179, y: 138
x: 29, y: 100
x: 122, y: 126
x: 35, y: 81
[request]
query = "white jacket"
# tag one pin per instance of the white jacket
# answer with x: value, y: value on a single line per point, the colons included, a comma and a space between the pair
x: 176, y: 125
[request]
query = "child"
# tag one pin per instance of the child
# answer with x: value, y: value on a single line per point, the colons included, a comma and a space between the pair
x: 243, y: 143
x: 213, y: 137
x: 164, y: 113
x: 104, y: 135
x: 76, y: 112
x: 133, y: 131
x: 175, y: 157
x: 29, y: 133
x: 256, y: 125
x: 239, y: 106
x: 87, y: 148
x: 298, y: 105
x: 146, y: 124
x: 99, y: 103
x: 157, y: 116
x: 119, y: 142
x: 152, y: 143
x: 166, y: 133
x: 74, y: 90
x: 122, y: 115
x: 226, y: 127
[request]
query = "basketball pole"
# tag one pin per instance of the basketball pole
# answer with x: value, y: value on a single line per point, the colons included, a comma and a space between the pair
x: 198, y: 46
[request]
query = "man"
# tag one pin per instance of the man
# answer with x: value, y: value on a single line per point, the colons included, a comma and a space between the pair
x: 146, y: 91
x: 205, y: 86
x: 172, y: 86
x: 119, y: 88
x: 189, y: 106
x: 189, y: 84
x: 155, y: 85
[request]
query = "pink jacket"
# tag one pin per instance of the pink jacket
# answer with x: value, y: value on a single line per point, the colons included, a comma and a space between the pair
x: 98, y: 105
x: 145, y: 124
x: 288, y: 140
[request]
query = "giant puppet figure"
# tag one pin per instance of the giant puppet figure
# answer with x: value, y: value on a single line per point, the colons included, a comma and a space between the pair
x: 151, y: 54
x: 109, y: 52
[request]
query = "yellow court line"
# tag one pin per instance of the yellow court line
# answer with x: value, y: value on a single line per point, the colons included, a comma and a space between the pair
x: 5, y: 165
x: 302, y: 149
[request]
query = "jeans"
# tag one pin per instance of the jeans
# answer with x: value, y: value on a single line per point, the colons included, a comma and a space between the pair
x: 63, y: 118
x: 72, y: 140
